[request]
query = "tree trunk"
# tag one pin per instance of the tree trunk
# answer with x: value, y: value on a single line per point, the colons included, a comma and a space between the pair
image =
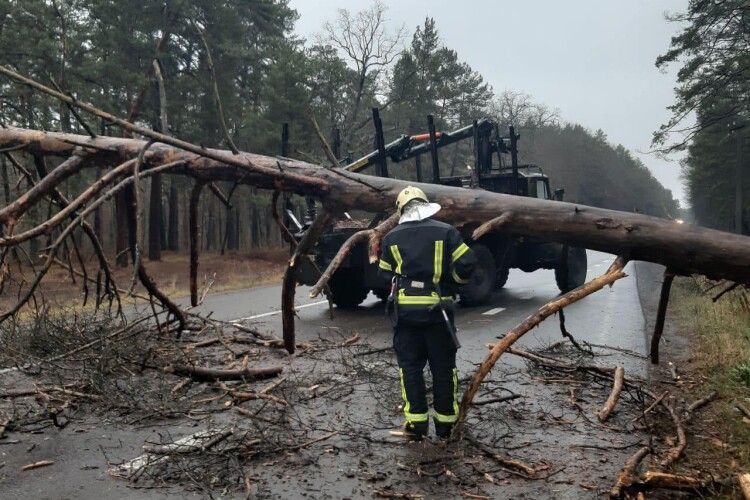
x: 121, y: 228
x: 173, y: 236
x: 5, y: 179
x: 98, y: 213
x: 155, y: 219
x: 254, y: 227
x: 195, y: 196
x: 684, y: 248
x: 738, y: 204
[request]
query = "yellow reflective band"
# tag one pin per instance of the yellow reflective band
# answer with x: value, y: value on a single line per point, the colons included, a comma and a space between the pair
x: 455, y: 392
x: 458, y: 252
x: 421, y: 300
x: 397, y: 257
x: 450, y: 419
x: 413, y: 418
x: 438, y: 264
x: 446, y: 419
x: 384, y: 265
x: 410, y: 417
x: 458, y: 279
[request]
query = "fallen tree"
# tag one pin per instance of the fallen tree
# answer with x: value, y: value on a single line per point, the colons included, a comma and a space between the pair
x: 683, y: 249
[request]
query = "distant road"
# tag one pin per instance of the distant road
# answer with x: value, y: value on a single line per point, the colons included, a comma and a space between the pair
x: 611, y: 316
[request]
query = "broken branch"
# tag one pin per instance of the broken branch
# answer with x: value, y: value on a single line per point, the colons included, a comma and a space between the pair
x: 200, y: 374
x: 614, y: 273
x: 614, y: 396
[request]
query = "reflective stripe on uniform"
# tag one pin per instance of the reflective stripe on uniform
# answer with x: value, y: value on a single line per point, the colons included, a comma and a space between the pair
x: 459, y: 251
x: 410, y: 417
x: 446, y: 419
x: 397, y: 257
x: 420, y: 300
x: 384, y: 265
x: 438, y: 264
x: 450, y: 419
x: 458, y: 279
x: 455, y: 392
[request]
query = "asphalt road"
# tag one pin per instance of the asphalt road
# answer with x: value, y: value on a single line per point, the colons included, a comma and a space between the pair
x: 612, y: 316
x: 544, y: 430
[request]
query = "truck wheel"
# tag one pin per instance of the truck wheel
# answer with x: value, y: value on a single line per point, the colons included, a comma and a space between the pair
x: 483, y: 280
x: 502, y: 276
x: 576, y: 270
x: 348, y: 290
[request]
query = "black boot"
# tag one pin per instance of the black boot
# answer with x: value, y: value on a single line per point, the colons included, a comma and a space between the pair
x: 443, y: 431
x: 416, y: 430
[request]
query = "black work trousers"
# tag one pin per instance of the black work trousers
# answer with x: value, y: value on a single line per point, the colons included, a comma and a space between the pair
x: 415, y: 345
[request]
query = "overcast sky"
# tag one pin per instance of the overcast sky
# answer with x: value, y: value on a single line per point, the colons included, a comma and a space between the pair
x: 591, y: 59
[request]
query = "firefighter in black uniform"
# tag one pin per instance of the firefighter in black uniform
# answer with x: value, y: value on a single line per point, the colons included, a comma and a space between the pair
x: 426, y: 261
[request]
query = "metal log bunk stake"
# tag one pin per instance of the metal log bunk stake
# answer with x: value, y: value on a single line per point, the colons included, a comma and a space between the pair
x: 380, y: 143
x: 475, y: 171
x: 418, y: 164
x: 433, y: 150
x: 514, y: 159
x: 661, y: 314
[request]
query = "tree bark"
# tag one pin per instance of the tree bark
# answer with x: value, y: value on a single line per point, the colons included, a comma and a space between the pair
x: 173, y: 224
x: 195, y: 196
x: 5, y: 179
x: 155, y: 219
x: 211, y: 374
x: 609, y: 406
x: 121, y: 228
x: 684, y: 248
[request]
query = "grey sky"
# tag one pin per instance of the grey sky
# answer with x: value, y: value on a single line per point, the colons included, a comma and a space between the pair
x: 591, y: 59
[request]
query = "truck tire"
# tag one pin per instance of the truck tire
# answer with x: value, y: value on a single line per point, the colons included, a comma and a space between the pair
x: 576, y: 269
x: 348, y: 289
x: 502, y: 276
x: 482, y: 281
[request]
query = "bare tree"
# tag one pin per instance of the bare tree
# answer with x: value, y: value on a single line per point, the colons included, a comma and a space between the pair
x: 519, y: 108
x: 367, y: 45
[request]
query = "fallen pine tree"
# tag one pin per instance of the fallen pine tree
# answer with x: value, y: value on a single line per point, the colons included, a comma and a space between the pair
x: 684, y: 248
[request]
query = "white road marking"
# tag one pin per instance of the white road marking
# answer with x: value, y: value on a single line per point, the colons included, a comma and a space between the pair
x: 187, y: 444
x: 273, y: 313
x: 494, y: 311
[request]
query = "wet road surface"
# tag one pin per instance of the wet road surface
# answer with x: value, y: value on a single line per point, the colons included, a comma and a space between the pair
x: 539, y: 425
x: 612, y: 316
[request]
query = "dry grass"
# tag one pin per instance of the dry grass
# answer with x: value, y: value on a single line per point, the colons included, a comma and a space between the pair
x: 225, y: 272
x: 722, y: 329
x: 228, y: 272
x: 719, y: 360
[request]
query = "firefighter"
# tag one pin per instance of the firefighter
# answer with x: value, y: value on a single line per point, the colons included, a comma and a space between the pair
x: 426, y: 260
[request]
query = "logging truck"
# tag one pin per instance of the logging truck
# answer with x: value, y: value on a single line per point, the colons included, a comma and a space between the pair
x: 496, y: 252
